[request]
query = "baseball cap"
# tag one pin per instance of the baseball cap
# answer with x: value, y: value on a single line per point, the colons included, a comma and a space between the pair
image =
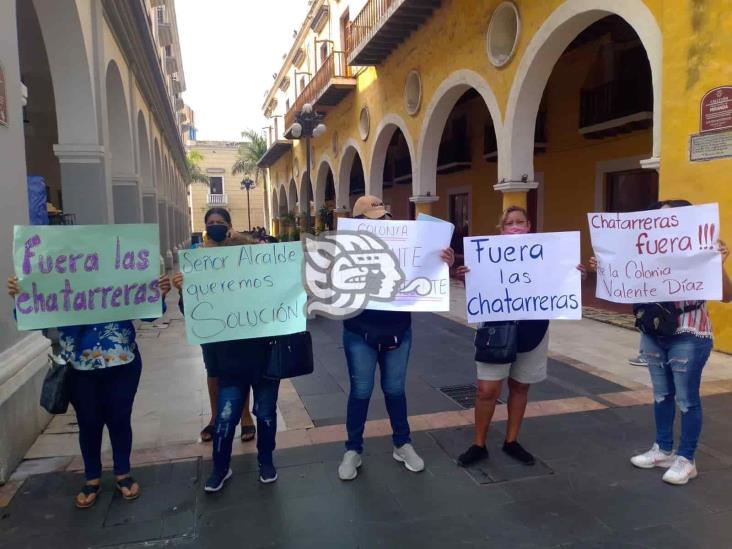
x: 369, y: 206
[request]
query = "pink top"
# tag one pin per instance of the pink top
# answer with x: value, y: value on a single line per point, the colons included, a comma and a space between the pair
x: 695, y: 322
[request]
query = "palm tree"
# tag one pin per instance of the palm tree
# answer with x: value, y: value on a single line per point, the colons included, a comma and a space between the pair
x: 250, y: 151
x: 194, y: 170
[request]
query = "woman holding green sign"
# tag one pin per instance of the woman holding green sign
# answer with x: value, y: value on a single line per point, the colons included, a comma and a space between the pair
x: 106, y: 372
x: 239, y: 364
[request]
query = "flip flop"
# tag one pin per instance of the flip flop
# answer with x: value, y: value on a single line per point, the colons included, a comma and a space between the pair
x: 207, y: 433
x: 248, y: 432
x: 127, y: 482
x: 88, y: 490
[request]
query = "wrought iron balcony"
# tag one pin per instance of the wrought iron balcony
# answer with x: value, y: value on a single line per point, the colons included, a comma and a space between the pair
x: 330, y: 84
x: 620, y: 106
x: 382, y: 25
x: 217, y: 199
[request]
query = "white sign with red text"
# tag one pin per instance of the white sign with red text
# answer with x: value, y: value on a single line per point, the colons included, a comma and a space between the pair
x: 658, y: 255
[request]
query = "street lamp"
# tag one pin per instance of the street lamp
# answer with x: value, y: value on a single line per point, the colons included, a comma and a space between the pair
x: 308, y: 123
x: 248, y: 184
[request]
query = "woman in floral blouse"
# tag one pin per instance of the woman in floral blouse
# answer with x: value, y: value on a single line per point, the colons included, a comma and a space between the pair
x: 107, y: 367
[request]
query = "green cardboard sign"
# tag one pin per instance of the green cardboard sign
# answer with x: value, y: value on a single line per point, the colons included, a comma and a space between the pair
x: 242, y: 292
x: 86, y: 274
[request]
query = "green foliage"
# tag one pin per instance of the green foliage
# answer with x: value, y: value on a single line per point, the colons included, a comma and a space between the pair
x: 195, y: 175
x: 250, y: 152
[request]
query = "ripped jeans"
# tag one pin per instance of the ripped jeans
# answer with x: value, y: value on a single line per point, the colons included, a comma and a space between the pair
x: 675, y: 364
x: 229, y: 409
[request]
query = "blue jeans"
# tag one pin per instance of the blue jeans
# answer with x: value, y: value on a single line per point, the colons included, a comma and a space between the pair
x: 362, y: 360
x: 105, y: 397
x: 229, y: 409
x: 675, y: 364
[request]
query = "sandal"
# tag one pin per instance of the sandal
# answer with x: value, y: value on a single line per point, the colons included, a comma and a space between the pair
x: 207, y: 433
x: 248, y: 432
x: 86, y: 491
x: 128, y: 482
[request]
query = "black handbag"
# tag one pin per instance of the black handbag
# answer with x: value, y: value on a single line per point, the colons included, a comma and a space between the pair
x: 660, y: 319
x: 289, y: 356
x: 56, y: 393
x: 496, y: 342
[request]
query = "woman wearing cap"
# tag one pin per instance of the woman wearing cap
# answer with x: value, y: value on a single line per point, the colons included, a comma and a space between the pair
x: 362, y: 356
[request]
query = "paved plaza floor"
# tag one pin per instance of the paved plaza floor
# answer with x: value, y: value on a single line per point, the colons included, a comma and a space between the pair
x: 582, y: 424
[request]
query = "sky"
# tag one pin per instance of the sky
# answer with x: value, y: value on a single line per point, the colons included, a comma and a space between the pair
x: 230, y: 50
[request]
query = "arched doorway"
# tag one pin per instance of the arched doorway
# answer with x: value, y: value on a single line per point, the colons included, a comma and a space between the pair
x: 149, y: 198
x: 325, y: 195
x: 458, y: 156
x: 351, y: 177
x: 392, y: 167
x: 590, y: 78
x: 126, y: 191
x: 54, y: 59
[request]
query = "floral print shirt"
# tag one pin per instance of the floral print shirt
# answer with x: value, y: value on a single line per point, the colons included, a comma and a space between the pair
x: 96, y: 346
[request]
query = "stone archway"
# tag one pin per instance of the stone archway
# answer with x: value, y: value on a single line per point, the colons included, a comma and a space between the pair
x: 436, y: 115
x: 384, y: 133
x: 85, y: 189
x: 516, y: 158
x: 351, y: 154
x: 125, y: 187
x: 149, y: 197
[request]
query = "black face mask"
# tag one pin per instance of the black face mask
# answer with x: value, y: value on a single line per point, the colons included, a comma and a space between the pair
x: 217, y: 233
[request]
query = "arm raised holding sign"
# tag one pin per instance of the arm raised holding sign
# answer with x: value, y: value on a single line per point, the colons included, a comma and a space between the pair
x: 529, y: 366
x: 107, y: 352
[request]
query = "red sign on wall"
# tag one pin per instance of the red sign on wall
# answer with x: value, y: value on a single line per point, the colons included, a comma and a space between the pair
x: 3, y: 99
x: 716, y: 110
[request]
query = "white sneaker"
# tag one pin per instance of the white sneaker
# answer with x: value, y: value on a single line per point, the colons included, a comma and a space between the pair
x: 406, y: 455
x: 348, y: 469
x: 681, y: 472
x: 653, y: 458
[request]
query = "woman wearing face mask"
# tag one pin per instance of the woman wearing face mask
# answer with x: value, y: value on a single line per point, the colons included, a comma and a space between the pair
x: 106, y: 372
x: 219, y: 233
x: 528, y: 368
x: 675, y: 363
x: 362, y: 356
x: 238, y: 367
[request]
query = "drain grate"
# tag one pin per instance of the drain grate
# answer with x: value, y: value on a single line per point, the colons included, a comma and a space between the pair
x: 462, y: 395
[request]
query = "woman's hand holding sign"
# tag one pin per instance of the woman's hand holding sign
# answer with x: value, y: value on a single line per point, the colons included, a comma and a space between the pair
x: 13, y: 288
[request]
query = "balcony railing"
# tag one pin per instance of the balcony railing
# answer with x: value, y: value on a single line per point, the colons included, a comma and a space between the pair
x: 334, y: 66
x: 386, y: 23
x: 615, y: 100
x: 217, y: 199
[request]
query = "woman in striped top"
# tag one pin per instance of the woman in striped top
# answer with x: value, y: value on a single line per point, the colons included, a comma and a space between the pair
x: 675, y: 363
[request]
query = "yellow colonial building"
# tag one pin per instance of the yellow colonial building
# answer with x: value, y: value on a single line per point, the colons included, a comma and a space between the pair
x: 223, y: 188
x: 459, y: 108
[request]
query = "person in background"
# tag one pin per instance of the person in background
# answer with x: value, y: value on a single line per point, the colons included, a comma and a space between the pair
x: 106, y: 373
x: 675, y: 364
x: 362, y: 360
x: 219, y: 232
x: 530, y: 367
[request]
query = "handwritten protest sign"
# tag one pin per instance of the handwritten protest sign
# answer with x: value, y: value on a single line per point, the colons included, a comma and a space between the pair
x: 417, y: 246
x: 523, y: 277
x: 657, y: 255
x: 242, y: 292
x: 86, y: 274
